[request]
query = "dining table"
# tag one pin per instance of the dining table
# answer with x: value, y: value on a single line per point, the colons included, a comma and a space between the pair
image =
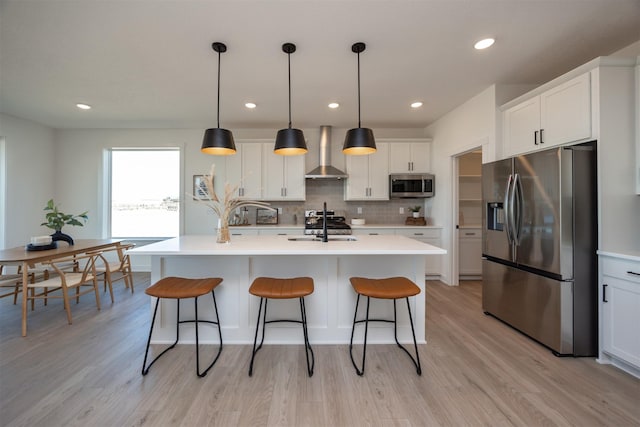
x: 20, y: 256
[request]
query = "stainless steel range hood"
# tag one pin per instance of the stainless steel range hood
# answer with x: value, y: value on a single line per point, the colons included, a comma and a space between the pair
x: 325, y: 170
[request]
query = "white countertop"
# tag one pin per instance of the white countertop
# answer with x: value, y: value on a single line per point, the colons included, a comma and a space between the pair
x: 281, y: 245
x: 301, y: 226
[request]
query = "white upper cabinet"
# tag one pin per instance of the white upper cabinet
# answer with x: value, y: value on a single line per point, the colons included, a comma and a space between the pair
x: 244, y: 169
x: 368, y: 175
x: 410, y: 157
x: 283, y: 175
x: 558, y: 116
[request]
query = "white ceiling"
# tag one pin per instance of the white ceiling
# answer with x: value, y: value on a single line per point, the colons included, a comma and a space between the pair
x: 149, y: 63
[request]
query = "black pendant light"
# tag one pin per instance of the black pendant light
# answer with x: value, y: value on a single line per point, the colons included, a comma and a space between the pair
x: 359, y: 140
x: 290, y: 142
x: 218, y: 141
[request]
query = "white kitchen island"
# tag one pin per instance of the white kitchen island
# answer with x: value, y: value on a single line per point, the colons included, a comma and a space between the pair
x: 330, y: 264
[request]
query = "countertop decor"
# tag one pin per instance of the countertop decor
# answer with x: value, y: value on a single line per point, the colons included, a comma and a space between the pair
x: 55, y: 220
x: 225, y: 206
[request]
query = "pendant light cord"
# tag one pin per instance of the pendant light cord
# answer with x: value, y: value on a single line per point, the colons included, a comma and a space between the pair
x: 218, y: 90
x: 289, y: 63
x: 359, y: 124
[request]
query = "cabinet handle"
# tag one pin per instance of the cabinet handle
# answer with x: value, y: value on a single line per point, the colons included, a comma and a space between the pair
x: 469, y: 234
x: 604, y: 293
x: 373, y: 234
x: 633, y: 273
x: 282, y: 234
x: 418, y: 234
x: 535, y: 137
x: 541, y: 139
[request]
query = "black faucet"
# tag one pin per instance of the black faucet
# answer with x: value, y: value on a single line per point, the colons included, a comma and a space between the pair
x: 324, y: 223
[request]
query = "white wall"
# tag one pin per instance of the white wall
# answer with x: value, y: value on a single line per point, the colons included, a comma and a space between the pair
x: 31, y: 178
x: 469, y: 126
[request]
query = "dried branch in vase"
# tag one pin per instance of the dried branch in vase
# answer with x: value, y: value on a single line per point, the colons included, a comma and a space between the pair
x: 225, y: 206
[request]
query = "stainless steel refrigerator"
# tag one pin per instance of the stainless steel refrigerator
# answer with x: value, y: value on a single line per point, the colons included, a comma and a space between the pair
x: 539, y: 246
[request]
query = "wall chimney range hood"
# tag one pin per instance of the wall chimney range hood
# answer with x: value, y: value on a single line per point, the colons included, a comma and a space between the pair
x: 325, y: 170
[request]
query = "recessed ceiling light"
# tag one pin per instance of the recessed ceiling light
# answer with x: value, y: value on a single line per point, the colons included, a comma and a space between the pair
x: 483, y: 44
x: 334, y: 105
x: 416, y: 104
x: 250, y: 105
x: 83, y: 106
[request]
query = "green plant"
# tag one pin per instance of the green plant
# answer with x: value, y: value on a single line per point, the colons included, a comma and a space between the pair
x: 55, y: 219
x: 415, y: 208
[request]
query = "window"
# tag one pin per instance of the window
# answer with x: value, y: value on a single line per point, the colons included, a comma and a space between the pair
x: 145, y: 193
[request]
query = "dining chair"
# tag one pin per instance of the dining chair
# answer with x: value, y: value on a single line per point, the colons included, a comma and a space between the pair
x: 110, y: 270
x: 65, y: 280
x: 11, y: 281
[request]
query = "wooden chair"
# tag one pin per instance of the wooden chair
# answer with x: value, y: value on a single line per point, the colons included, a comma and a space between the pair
x: 110, y: 271
x: 65, y: 280
x: 11, y: 281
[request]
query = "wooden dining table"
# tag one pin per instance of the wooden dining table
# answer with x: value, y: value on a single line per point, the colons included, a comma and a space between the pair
x: 20, y: 256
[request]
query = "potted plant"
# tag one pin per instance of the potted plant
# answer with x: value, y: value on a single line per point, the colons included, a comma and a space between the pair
x: 55, y: 220
x: 415, y: 210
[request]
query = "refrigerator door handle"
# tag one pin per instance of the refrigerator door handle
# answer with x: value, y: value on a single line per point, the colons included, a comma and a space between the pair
x: 517, y: 202
x: 507, y: 209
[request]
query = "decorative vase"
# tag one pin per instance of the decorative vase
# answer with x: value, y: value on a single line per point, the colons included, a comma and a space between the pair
x: 59, y: 235
x: 223, y: 235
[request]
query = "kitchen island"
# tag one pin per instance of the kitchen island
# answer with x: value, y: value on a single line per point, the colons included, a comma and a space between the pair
x: 330, y: 264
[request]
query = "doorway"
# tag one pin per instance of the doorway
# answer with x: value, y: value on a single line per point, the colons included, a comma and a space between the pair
x: 469, y: 208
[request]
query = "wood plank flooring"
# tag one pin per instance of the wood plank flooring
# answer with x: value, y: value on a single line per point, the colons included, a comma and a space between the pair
x: 476, y: 371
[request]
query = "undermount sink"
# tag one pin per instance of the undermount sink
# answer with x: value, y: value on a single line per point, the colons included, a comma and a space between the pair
x: 319, y: 239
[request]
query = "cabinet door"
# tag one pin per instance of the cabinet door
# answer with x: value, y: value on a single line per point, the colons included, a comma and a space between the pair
x: 379, y: 173
x: 470, y: 252
x: 283, y: 176
x: 244, y: 170
x: 356, y: 186
x: 400, y: 157
x: 521, y: 122
x: 620, y: 308
x: 566, y: 112
x: 420, y: 157
x: 294, y: 178
x: 273, y: 173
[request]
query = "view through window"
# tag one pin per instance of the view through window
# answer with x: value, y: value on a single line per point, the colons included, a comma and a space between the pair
x: 145, y: 193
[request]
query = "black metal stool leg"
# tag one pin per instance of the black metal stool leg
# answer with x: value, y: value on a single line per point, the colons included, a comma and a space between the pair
x: 307, y: 346
x: 360, y: 372
x: 145, y: 371
x: 416, y: 361
x: 255, y: 339
x: 217, y: 322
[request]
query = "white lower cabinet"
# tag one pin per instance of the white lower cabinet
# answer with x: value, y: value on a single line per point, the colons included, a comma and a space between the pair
x: 620, y: 312
x: 470, y: 252
x: 433, y: 263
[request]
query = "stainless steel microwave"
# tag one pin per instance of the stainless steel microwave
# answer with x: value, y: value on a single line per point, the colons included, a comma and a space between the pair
x: 411, y: 185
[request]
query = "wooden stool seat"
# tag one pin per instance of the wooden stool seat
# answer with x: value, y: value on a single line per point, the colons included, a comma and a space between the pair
x: 390, y: 288
x: 180, y: 287
x: 387, y: 288
x: 269, y: 287
x: 282, y: 288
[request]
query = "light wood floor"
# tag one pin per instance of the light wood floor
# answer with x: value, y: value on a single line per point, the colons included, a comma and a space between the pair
x: 476, y: 371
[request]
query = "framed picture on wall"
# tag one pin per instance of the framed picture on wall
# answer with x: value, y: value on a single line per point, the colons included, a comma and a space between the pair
x: 199, y: 188
x: 266, y: 216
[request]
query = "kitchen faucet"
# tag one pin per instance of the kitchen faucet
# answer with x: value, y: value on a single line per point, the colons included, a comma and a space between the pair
x: 324, y: 223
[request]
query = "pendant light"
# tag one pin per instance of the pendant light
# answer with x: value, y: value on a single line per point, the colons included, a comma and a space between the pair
x: 290, y: 142
x: 218, y: 141
x: 359, y: 140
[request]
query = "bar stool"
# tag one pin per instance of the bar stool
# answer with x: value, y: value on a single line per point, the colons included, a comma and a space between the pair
x: 272, y: 288
x: 181, y: 288
x: 387, y: 288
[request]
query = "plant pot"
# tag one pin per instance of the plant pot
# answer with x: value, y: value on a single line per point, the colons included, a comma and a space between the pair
x: 416, y: 214
x: 223, y: 236
x: 59, y: 235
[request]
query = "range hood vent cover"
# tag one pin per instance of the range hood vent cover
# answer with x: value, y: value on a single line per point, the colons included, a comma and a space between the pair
x: 325, y: 170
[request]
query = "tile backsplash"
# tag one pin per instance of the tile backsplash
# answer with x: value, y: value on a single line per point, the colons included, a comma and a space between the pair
x: 332, y: 192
